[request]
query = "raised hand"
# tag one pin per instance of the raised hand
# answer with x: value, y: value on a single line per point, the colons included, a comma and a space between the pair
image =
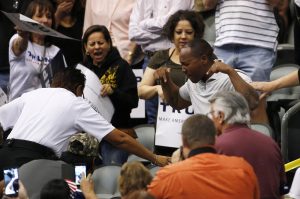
x: 219, y: 66
x: 62, y: 10
x: 264, y: 87
x: 22, y: 33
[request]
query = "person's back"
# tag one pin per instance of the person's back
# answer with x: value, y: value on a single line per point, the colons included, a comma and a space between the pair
x: 47, y: 119
x: 206, y: 175
x: 44, y: 121
x: 260, y: 151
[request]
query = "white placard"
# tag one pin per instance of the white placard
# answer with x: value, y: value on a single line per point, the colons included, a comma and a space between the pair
x: 138, y: 112
x: 91, y: 92
x: 27, y: 24
x: 168, y: 125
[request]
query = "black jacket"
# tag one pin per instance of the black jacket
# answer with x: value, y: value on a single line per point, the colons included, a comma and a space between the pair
x: 117, y: 72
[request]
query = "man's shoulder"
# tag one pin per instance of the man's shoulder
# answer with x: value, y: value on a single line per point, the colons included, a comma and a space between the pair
x: 237, y: 130
x: 204, y: 163
x: 234, y: 163
x: 176, y: 169
x: 46, y: 92
x: 218, y: 76
x: 229, y: 141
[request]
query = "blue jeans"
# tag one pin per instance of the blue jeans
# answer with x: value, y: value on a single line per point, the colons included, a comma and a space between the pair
x: 4, y: 80
x: 151, y: 105
x: 111, y: 154
x: 256, y: 62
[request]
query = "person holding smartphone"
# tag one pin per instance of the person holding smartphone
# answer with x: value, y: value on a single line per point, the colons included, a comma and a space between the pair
x: 80, y: 172
x: 11, y: 182
x: 22, y: 193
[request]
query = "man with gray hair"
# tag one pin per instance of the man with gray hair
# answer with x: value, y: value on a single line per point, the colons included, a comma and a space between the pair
x: 204, y: 174
x: 230, y: 114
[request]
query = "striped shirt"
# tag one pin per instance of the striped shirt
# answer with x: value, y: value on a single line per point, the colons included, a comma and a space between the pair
x: 246, y: 22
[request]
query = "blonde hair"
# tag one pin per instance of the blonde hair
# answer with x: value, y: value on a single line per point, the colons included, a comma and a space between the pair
x: 133, y: 176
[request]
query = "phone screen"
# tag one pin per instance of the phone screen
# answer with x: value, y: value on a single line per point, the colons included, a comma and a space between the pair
x: 11, y: 181
x: 79, y: 171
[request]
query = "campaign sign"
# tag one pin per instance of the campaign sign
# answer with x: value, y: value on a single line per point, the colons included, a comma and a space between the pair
x: 56, y: 64
x: 168, y: 124
x: 138, y: 112
x: 91, y: 92
x: 26, y: 24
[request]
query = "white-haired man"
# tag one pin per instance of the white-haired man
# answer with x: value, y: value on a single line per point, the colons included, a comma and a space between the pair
x: 230, y: 114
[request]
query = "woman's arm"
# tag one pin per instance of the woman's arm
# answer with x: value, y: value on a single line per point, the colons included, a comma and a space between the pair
x: 289, y: 80
x: 21, y: 42
x: 147, y: 88
x: 123, y: 141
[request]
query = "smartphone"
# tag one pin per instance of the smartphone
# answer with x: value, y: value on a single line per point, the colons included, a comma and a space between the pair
x: 11, y: 182
x: 80, y: 171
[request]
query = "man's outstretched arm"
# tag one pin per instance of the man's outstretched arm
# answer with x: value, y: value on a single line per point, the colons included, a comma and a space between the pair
x: 123, y: 141
x: 239, y: 84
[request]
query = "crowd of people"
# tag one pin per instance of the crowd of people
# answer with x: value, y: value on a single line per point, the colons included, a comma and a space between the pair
x: 48, y: 117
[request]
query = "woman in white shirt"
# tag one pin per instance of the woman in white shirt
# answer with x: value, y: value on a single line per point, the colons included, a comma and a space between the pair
x: 31, y: 53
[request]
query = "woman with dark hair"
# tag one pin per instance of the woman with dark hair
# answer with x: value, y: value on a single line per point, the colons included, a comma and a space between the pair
x: 69, y: 17
x: 30, y: 53
x: 181, y: 28
x: 57, y: 188
x: 118, y: 83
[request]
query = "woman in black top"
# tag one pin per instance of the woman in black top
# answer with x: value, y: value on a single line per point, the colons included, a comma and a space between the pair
x: 118, y: 83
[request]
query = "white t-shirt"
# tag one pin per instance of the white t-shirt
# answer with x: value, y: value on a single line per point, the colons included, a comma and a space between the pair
x: 25, y: 68
x: 49, y: 116
x: 200, y: 93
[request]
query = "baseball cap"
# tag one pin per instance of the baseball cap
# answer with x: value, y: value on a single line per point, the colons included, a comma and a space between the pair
x: 83, y: 144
